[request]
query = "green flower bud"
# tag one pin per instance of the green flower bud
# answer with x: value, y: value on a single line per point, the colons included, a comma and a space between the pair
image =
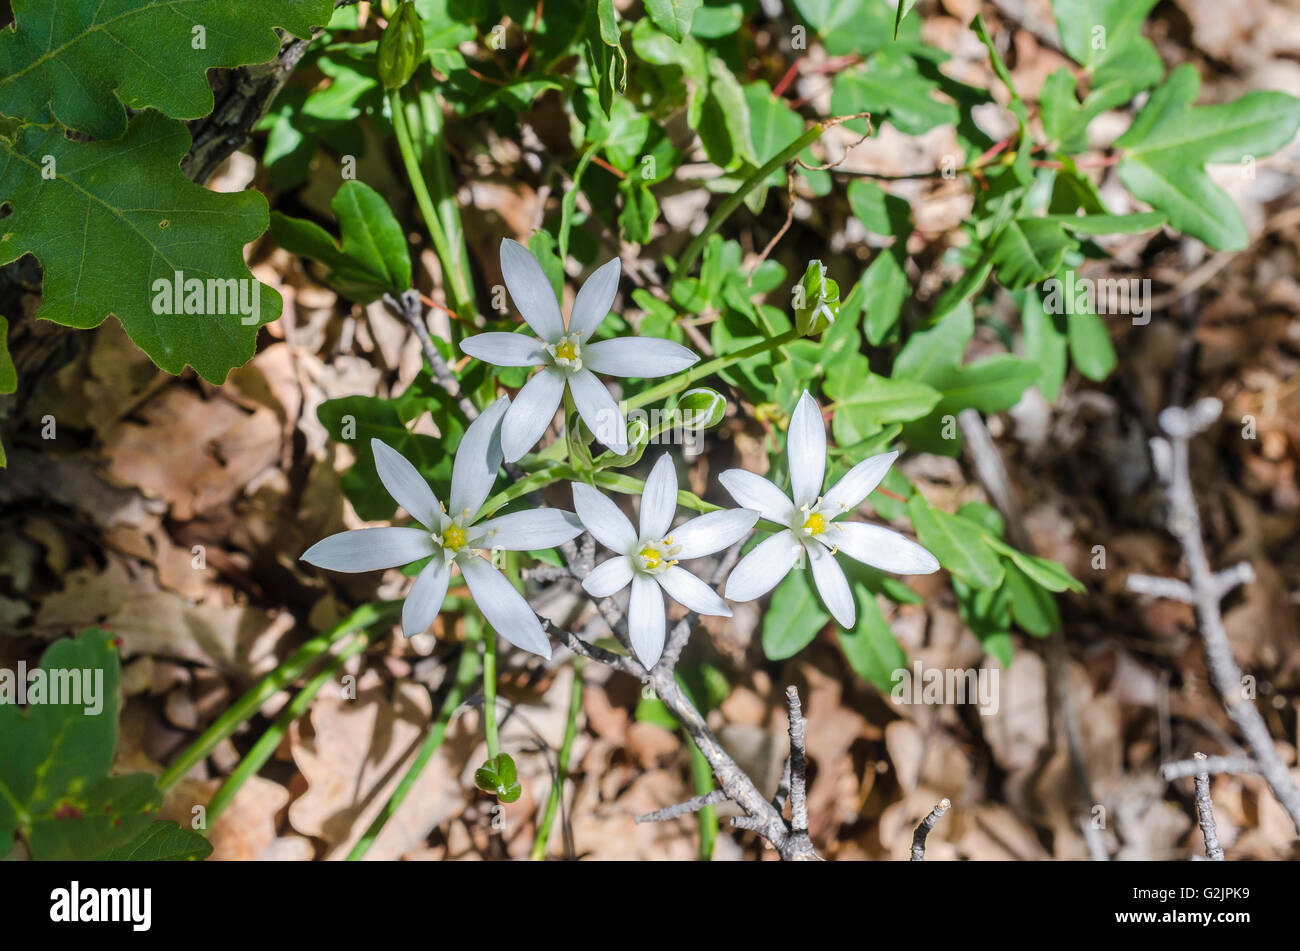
x: 401, y: 47
x: 816, y: 301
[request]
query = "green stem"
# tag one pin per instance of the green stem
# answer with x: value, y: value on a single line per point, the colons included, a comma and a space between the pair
x: 247, y: 706
x: 267, y: 743
x: 462, y: 296
x: 696, y: 247
x: 562, y: 765
x: 490, y: 689
x: 529, y: 483
x: 700, y: 370
x: 466, y: 672
x: 431, y: 120
x: 706, y: 818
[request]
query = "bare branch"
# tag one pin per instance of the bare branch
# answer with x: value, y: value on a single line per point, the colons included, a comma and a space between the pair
x: 923, y: 830
x: 1209, y: 764
x: 1171, y: 460
x: 1205, y: 812
x: 798, y: 763
x: 686, y: 808
x: 411, y: 309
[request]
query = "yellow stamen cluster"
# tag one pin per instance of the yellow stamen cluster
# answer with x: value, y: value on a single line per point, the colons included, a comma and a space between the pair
x: 566, y: 351
x: 453, y: 538
x: 815, y: 524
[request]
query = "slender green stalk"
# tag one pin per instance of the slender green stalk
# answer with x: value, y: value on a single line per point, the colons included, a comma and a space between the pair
x: 453, y: 274
x: 681, y: 381
x: 696, y: 247
x: 706, y: 818
x: 267, y: 743
x: 529, y: 483
x: 466, y: 672
x: 444, y: 191
x: 247, y: 706
x: 490, y: 689
x: 562, y: 764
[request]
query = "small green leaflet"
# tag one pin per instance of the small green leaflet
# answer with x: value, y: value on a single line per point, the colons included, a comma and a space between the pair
x: 673, y: 16
x: 904, y: 8
x: 373, y: 257
x: 141, y: 222
x: 79, y: 62
x: 1029, y: 250
x: 1171, y: 141
x: 960, y: 545
x: 871, y: 648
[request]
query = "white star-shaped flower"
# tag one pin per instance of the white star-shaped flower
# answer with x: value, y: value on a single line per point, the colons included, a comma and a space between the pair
x: 453, y: 537
x: 565, y: 355
x: 811, y: 520
x: 647, y: 559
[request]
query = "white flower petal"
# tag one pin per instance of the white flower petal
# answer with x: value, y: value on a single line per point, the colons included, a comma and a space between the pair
x: 598, y: 410
x: 805, y: 451
x: 424, y: 600
x: 860, y: 481
x: 882, y: 548
x: 530, y: 413
x: 503, y: 606
x: 705, y: 534
x: 608, y: 577
x: 478, y: 457
x: 595, y: 298
x: 761, y: 570
x: 369, y: 549
x: 531, y: 291
x: 504, y: 349
x: 659, y: 500
x: 646, y: 620
x: 832, y: 585
x: 601, y: 517
x: 526, y: 531
x: 754, y: 492
x: 642, y: 357
x: 405, y: 484
x: 690, y: 592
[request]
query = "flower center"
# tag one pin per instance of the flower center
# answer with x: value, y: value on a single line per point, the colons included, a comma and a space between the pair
x: 815, y: 524
x: 453, y: 539
x: 657, y: 557
x: 567, y: 353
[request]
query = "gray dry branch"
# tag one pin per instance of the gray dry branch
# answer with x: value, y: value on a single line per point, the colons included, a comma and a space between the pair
x: 923, y: 829
x: 1205, y: 589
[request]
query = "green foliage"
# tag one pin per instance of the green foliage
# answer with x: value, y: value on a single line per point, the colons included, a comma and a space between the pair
x: 499, y: 777
x: 56, y: 787
x: 139, y: 224
x: 370, y: 258
x: 80, y: 62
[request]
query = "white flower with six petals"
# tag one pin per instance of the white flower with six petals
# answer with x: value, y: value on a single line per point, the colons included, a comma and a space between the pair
x: 811, y: 520
x: 566, y: 355
x: 453, y: 537
x: 647, y: 559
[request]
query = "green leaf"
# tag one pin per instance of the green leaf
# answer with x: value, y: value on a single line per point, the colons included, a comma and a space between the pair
x: 1045, y: 572
x: 1065, y: 120
x: 499, y: 777
x: 673, y: 16
x: 8, y: 374
x: 640, y: 211
x: 873, y: 401
x: 990, y: 385
x: 78, y: 62
x: 606, y: 57
x: 373, y: 257
x: 930, y: 354
x: 885, y: 288
x: 904, y: 8
x: 1106, y: 37
x: 891, y: 84
x: 1044, y: 344
x: 999, y: 66
x: 139, y: 221
x: 1171, y: 141
x: 1033, y: 607
x: 1090, y: 346
x: 793, y: 618
x: 1108, y: 224
x: 162, y: 841
x: 871, y: 648
x: 958, y: 543
x: 55, y: 757
x: 857, y: 26
x: 1029, y: 250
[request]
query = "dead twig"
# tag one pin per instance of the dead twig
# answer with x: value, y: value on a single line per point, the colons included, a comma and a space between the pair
x: 923, y: 830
